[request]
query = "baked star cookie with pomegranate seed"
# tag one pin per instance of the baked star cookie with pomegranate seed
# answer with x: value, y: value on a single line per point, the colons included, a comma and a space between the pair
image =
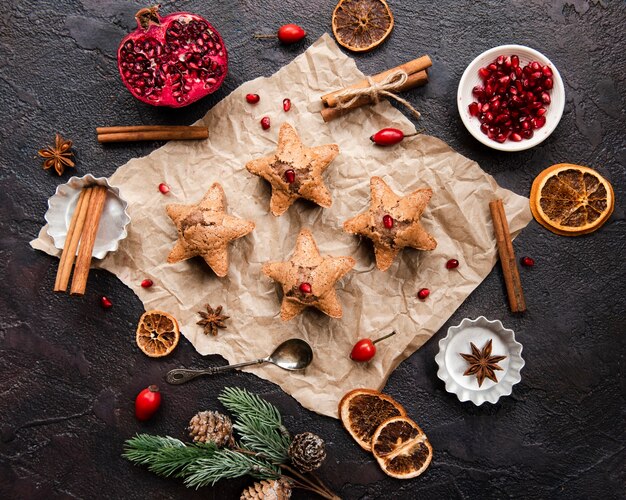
x: 392, y: 222
x: 295, y: 171
x: 308, y: 278
x: 205, y: 230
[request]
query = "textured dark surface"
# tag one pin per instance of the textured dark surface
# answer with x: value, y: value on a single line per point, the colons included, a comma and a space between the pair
x: 69, y: 370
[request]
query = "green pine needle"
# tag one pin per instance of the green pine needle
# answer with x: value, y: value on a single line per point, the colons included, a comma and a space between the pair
x: 258, y: 423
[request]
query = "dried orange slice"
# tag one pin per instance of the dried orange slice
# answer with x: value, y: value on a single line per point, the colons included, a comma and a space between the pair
x: 363, y: 410
x: 157, y: 333
x: 401, y: 448
x: 361, y: 25
x: 571, y: 200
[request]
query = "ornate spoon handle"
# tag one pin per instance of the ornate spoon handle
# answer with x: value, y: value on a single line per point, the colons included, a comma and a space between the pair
x: 182, y: 375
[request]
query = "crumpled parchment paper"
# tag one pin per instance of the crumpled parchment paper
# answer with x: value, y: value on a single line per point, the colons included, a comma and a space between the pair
x: 374, y: 302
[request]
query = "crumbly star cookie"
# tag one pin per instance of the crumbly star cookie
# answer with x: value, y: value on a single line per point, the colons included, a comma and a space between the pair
x: 392, y: 222
x: 205, y: 229
x: 308, y: 278
x: 295, y: 171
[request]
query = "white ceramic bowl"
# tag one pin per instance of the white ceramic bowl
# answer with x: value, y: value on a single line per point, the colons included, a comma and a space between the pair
x: 470, y: 79
x: 112, y: 227
x: 452, y: 365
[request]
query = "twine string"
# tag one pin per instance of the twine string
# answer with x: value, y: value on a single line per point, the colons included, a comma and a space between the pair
x: 394, y: 81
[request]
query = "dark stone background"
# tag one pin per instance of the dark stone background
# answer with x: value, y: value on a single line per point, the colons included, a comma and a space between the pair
x: 69, y: 370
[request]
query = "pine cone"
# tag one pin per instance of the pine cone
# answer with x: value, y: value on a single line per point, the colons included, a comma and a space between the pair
x: 307, y: 451
x: 211, y: 426
x: 272, y: 489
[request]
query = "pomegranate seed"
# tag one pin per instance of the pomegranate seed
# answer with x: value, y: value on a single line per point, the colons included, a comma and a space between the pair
x: 548, y: 83
x: 538, y: 122
x: 489, y: 117
x: 484, y: 128
x: 147, y: 283
x: 514, y: 61
x: 541, y: 112
x: 485, y: 107
x: 545, y: 98
x: 484, y: 73
x: 105, y: 302
x: 535, y: 66
x: 527, y: 261
x: 423, y: 294
x: 164, y: 188
x: 478, y: 90
x: 492, y: 67
x: 305, y: 288
x: 474, y: 109
x: 452, y: 264
x: 515, y: 137
x: 290, y: 176
x: 527, y: 134
x: 265, y: 122
x: 388, y: 221
x: 500, y: 60
x: 286, y: 105
x: 547, y: 71
x: 253, y: 98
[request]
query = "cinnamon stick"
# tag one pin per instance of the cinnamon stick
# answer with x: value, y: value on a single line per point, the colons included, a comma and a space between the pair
x: 512, y: 280
x: 415, y: 80
x: 71, y: 241
x: 151, y: 133
x: 411, y: 67
x: 87, y: 240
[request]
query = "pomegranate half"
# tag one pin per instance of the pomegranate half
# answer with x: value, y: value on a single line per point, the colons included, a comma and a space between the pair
x: 172, y: 60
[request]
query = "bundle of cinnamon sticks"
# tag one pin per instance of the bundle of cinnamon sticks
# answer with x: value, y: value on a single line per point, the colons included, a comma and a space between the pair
x: 417, y: 76
x: 82, y: 231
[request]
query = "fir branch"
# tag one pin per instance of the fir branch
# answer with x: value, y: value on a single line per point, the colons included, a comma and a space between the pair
x: 258, y: 422
x: 142, y: 448
x: 228, y: 464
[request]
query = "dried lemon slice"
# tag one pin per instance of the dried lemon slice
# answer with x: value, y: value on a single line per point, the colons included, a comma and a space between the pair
x: 363, y: 410
x: 157, y: 333
x: 571, y: 200
x: 361, y: 25
x: 401, y: 448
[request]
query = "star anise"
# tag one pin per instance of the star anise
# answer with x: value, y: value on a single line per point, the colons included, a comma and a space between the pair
x: 482, y: 363
x: 57, y: 156
x: 212, y: 319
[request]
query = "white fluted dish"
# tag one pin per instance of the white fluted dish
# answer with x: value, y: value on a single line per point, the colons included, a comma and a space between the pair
x: 470, y: 79
x: 452, y: 365
x: 115, y: 218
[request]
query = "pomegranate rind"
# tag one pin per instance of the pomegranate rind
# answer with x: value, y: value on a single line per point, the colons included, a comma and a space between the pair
x: 172, y: 78
x: 157, y: 333
x: 572, y: 196
x: 362, y: 423
x: 351, y: 17
x: 401, y: 448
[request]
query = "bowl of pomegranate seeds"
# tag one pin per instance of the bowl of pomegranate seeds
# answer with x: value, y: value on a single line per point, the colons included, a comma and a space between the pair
x: 511, y: 97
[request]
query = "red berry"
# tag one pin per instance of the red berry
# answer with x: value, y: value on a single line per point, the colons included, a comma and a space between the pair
x: 290, y: 176
x: 286, y: 105
x: 147, y: 403
x: 423, y: 294
x: 105, y: 302
x: 290, y: 33
x: 387, y: 137
x: 265, y: 122
x: 164, y: 188
x: 365, y: 349
x: 253, y: 98
x: 147, y: 283
x: 306, y: 287
x: 474, y: 109
x: 452, y: 264
x: 388, y: 221
x: 527, y: 261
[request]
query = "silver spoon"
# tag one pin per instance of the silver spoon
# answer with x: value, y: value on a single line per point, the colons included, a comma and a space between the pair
x: 293, y: 354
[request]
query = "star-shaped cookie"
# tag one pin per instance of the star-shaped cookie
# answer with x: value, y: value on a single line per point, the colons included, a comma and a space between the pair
x: 295, y: 171
x: 393, y: 222
x: 308, y: 278
x: 205, y: 229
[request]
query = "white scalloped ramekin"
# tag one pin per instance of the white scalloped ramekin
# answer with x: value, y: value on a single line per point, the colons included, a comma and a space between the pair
x: 112, y: 228
x: 452, y: 365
